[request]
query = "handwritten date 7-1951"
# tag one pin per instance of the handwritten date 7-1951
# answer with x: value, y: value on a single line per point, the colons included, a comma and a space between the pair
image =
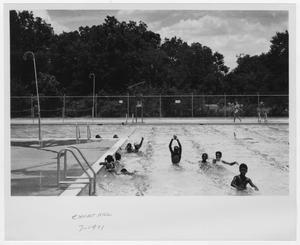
x: 90, y: 227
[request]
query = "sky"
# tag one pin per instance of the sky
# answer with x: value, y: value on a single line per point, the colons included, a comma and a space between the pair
x: 230, y: 33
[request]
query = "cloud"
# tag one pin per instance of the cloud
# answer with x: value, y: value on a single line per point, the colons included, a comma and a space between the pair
x: 57, y: 27
x: 229, y: 36
x: 228, y: 32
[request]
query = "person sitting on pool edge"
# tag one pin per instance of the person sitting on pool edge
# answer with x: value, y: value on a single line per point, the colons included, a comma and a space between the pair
x: 218, y: 159
x: 129, y: 148
x: 109, y: 163
x: 176, y: 152
x: 240, y: 181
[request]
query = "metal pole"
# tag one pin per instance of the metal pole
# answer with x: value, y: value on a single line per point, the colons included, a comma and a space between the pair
x: 128, y: 104
x: 32, y: 109
x: 64, y: 107
x: 37, y: 92
x: 38, y: 98
x: 94, y: 96
x: 257, y: 99
x: 192, y: 105
x: 96, y: 109
x: 160, y: 105
x: 142, y: 108
x: 92, y: 75
x: 225, y: 105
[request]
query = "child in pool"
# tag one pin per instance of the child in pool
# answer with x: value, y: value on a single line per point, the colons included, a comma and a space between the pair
x: 176, y: 151
x: 130, y: 149
x: 204, y: 164
x: 118, y: 164
x: 218, y: 159
x: 109, y: 163
x: 240, y: 181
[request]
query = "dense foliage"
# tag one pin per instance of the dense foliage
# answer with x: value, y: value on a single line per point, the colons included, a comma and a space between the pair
x: 124, y: 53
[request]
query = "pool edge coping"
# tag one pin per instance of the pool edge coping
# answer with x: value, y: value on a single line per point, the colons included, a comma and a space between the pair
x: 76, y: 189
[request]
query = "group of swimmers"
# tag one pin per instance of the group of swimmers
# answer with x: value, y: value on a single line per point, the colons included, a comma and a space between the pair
x: 113, y: 164
x: 239, y: 181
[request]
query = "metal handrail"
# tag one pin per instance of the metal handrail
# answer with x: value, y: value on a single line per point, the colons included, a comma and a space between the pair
x: 89, y: 166
x: 59, y: 154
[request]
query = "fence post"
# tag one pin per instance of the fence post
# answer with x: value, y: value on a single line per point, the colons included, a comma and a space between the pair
x: 142, y: 109
x: 64, y: 107
x: 225, y: 106
x: 32, y: 109
x: 128, y: 104
x: 257, y: 99
x: 96, y: 105
x: 192, y: 105
x: 160, y: 105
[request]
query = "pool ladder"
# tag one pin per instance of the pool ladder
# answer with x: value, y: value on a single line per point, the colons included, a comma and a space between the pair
x: 89, y: 179
x: 88, y: 133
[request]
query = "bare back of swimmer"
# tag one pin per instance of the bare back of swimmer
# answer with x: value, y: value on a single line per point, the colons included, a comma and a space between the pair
x: 176, y: 151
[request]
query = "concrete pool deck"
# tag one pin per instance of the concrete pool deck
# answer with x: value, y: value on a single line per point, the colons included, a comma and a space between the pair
x: 33, y: 169
x: 148, y: 121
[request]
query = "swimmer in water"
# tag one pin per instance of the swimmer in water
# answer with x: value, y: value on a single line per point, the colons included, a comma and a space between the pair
x: 204, y: 163
x: 240, y: 181
x: 176, y: 152
x: 109, y: 163
x: 118, y: 164
x: 130, y: 149
x: 219, y: 159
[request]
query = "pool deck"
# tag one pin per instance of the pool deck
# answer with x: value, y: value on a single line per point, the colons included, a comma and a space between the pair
x: 148, y: 121
x: 77, y: 188
x: 34, y: 169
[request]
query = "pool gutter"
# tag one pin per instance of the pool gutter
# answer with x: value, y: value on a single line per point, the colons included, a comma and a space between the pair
x: 76, y: 189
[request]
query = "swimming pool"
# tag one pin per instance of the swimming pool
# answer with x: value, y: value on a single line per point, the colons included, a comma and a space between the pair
x: 264, y: 148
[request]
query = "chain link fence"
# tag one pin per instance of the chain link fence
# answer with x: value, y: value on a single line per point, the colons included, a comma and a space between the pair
x: 147, y: 106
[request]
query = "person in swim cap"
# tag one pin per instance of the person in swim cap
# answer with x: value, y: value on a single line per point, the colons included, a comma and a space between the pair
x: 136, y: 148
x: 219, y: 159
x: 176, y: 151
x: 240, y: 181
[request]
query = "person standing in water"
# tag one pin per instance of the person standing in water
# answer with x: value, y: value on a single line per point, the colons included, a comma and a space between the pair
x: 219, y: 159
x: 176, y: 151
x: 137, y: 146
x: 240, y: 181
x: 204, y: 164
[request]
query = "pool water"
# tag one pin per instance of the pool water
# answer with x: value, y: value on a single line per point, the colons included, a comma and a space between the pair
x: 264, y: 148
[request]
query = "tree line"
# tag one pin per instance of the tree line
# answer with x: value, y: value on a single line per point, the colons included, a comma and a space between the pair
x: 121, y: 54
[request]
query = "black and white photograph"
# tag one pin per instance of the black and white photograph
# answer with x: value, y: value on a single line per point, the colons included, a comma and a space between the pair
x: 138, y: 102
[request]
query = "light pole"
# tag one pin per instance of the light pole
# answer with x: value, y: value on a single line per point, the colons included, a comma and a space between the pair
x: 92, y: 75
x: 26, y: 54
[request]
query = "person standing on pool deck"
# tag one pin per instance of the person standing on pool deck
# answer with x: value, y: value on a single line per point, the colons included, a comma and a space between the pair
x: 262, y: 110
x: 176, y: 152
x: 130, y: 149
x: 219, y: 159
x: 240, y: 181
x: 236, y: 111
